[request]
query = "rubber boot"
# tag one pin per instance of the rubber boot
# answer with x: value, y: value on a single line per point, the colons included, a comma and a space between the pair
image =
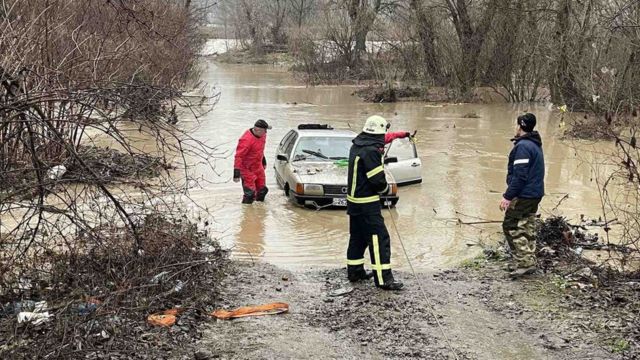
x: 389, y: 282
x: 395, y: 285
x: 249, y: 196
x: 262, y: 193
x: 358, y: 274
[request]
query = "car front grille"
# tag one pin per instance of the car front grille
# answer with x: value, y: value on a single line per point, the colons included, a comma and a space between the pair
x: 335, y: 190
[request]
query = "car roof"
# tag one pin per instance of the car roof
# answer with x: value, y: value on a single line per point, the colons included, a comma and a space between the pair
x: 326, y: 133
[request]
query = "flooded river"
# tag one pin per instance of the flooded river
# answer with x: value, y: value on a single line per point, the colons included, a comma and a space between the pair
x: 464, y: 162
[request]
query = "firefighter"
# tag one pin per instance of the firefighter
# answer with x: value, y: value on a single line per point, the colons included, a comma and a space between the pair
x: 250, y: 163
x: 525, y: 180
x: 366, y: 182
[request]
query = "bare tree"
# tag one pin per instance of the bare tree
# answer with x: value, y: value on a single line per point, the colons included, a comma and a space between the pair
x: 277, y: 11
x: 301, y: 10
x: 471, y: 34
x: 363, y: 14
x: 427, y: 35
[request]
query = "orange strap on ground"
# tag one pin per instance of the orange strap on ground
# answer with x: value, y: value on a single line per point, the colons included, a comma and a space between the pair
x: 161, y: 320
x: 258, y: 310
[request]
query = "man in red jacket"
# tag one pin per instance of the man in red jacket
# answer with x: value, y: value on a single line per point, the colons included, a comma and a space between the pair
x: 250, y: 163
x: 390, y: 136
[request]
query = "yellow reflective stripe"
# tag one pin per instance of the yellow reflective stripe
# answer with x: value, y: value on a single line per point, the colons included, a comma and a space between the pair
x: 375, y: 171
x: 381, y: 267
x: 355, y: 176
x: 376, y: 256
x: 364, y: 200
x: 355, y: 262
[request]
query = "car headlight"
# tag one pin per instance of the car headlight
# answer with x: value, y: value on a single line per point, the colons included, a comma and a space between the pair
x: 313, y: 189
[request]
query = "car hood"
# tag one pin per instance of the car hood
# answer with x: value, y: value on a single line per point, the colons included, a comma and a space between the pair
x: 326, y: 173
x: 321, y: 173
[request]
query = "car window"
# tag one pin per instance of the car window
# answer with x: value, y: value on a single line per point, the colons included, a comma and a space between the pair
x: 284, y: 141
x: 403, y: 149
x: 322, y: 148
x: 289, y: 146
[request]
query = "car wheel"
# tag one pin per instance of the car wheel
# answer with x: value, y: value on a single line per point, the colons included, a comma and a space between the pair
x: 286, y: 190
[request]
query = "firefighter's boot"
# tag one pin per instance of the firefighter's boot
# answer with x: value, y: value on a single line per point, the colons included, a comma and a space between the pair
x: 389, y: 282
x: 358, y: 273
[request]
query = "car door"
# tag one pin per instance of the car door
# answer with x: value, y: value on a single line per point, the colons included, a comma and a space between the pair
x: 402, y: 161
x: 284, y: 149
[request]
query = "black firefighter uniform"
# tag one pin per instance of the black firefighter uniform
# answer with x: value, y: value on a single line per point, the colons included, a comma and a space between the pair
x: 366, y: 182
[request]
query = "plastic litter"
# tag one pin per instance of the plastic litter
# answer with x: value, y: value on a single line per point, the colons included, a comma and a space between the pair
x: 159, y: 277
x: 36, y: 318
x: 161, y: 320
x: 28, y: 306
x: 174, y: 311
x: 31, y: 311
x: 56, y: 172
x: 90, y: 305
x: 258, y: 310
x: 86, y: 308
x: 179, y: 286
x: 166, y: 319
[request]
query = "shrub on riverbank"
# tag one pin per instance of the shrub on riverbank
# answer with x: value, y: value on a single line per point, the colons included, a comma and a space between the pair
x: 99, y: 291
x: 72, y: 72
x: 80, y: 224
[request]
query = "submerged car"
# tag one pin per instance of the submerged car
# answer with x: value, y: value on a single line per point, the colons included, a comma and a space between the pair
x: 312, y: 163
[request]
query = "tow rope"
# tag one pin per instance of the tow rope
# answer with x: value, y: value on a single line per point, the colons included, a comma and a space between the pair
x: 431, y: 308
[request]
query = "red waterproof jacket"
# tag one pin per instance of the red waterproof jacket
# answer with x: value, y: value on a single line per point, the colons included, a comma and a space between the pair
x: 390, y: 136
x: 250, y: 152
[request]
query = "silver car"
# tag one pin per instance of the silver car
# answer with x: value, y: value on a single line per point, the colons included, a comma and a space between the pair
x: 312, y: 163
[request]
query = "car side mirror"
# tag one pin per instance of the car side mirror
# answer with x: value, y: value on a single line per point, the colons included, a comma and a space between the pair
x: 282, y: 157
x: 390, y: 160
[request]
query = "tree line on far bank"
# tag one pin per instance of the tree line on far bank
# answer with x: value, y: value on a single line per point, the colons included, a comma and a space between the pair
x: 580, y: 53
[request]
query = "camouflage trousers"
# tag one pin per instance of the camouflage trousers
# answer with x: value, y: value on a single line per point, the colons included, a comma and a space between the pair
x: 519, y: 230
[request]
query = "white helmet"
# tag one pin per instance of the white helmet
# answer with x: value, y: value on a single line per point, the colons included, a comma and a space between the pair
x: 375, y: 124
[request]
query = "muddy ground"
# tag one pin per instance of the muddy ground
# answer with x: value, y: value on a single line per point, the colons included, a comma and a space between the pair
x: 483, y: 314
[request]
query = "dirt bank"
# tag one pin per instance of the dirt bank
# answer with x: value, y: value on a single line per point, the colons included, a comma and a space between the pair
x: 484, y: 315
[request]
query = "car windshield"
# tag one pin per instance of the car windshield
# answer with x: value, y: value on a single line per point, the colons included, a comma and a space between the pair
x: 322, y: 148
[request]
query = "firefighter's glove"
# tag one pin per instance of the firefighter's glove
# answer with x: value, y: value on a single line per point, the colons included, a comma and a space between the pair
x: 236, y: 175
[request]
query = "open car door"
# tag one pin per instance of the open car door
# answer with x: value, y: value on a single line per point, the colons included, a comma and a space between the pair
x: 401, y: 159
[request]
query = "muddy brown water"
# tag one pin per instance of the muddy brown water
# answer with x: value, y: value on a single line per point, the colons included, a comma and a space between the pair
x: 464, y: 167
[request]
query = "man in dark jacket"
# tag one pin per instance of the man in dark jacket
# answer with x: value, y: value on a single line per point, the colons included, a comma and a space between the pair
x: 366, y: 182
x: 525, y: 180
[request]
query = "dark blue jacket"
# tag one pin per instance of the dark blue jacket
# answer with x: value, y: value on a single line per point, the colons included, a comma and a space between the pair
x: 525, y: 174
